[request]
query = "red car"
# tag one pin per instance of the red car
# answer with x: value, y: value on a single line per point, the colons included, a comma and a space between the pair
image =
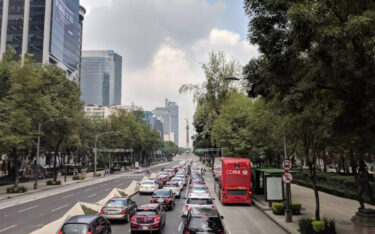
x: 150, y: 217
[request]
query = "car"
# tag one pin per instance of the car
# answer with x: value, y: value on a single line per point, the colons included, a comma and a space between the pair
x: 149, y: 217
x: 198, y: 200
x: 203, y: 220
x: 163, y: 178
x: 196, y: 177
x: 182, y: 177
x: 119, y: 209
x: 196, y: 182
x: 148, y: 186
x: 164, y: 197
x: 170, y: 171
x: 175, y: 187
x: 165, y: 174
x: 139, y: 170
x: 198, y: 189
x: 179, y: 181
x: 78, y: 224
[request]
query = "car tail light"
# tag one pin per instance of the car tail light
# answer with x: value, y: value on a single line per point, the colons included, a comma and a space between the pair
x: 212, y: 207
x: 152, y: 199
x: 123, y: 212
x: 101, y: 212
x: 178, y: 190
x: 89, y: 232
x: 186, y: 207
x: 168, y: 199
x: 205, y: 217
x: 157, y: 219
x: 60, y: 232
x: 133, y: 219
x: 187, y: 232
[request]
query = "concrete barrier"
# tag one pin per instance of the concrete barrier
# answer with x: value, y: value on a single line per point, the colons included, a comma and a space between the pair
x: 112, y: 194
x: 133, y: 188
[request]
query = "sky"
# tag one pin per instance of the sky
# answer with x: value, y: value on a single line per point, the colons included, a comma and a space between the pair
x: 163, y: 44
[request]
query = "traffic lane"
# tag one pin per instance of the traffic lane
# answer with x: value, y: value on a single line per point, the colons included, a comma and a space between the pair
x: 242, y: 219
x: 173, y: 219
x: 30, y: 216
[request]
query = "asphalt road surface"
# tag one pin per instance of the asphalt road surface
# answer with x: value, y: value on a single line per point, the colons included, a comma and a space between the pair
x: 29, y: 216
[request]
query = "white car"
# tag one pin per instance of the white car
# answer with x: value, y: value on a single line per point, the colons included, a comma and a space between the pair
x: 148, y: 186
x: 182, y: 177
x: 198, y: 189
x: 198, y: 200
x: 179, y: 181
x: 175, y: 187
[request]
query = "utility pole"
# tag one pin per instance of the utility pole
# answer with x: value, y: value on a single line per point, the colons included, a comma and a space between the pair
x: 187, y: 133
x: 288, y: 210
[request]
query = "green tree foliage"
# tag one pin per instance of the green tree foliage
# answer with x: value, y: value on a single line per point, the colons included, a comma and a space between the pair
x: 170, y: 149
x: 317, y: 62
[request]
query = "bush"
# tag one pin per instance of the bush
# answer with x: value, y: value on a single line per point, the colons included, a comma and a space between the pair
x: 318, y: 226
x: 98, y: 174
x: 52, y: 182
x: 310, y: 226
x: 78, y: 177
x: 16, y: 190
x: 278, y: 208
x: 296, y: 208
x: 122, y: 193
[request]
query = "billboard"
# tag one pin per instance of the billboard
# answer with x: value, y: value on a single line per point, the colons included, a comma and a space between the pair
x: 65, y: 45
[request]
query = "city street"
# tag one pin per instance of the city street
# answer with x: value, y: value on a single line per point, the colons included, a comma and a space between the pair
x: 28, y: 216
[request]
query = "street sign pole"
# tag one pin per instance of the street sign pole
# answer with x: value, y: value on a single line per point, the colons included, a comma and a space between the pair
x: 288, y: 210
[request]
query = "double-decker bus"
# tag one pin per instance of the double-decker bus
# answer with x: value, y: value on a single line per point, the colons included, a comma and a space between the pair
x: 233, y: 180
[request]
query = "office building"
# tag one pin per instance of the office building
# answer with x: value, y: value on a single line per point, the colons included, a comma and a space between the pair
x: 169, y: 115
x: 50, y: 30
x: 103, y: 112
x: 173, y: 109
x: 101, y: 78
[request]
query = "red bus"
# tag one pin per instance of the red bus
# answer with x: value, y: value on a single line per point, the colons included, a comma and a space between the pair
x: 233, y: 184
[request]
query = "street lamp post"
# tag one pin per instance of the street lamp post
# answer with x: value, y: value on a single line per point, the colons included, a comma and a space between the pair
x: 38, y: 148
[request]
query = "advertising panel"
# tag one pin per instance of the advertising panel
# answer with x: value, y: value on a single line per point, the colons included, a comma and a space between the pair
x: 65, y: 43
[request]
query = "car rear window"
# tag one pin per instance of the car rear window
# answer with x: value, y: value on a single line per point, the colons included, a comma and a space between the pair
x: 161, y: 193
x: 146, y: 212
x: 115, y: 203
x: 198, y: 188
x: 148, y: 182
x: 75, y: 228
x: 205, y: 223
x: 172, y: 185
x: 199, y: 201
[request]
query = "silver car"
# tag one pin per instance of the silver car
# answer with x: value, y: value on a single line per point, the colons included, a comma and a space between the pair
x: 119, y: 209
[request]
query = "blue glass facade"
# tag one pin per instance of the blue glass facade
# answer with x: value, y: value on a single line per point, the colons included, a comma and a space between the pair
x: 36, y: 29
x: 15, y: 25
x: 65, y: 41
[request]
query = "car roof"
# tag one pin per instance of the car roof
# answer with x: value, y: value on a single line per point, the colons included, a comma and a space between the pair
x: 199, y: 195
x: 203, y: 211
x: 148, y: 181
x: 87, y: 219
x: 198, y: 186
x: 151, y: 206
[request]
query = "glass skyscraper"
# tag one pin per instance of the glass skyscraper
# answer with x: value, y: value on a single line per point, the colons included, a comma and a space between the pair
x: 101, y: 78
x: 169, y: 115
x: 50, y: 30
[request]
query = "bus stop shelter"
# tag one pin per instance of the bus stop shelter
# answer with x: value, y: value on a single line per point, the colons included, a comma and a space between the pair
x: 267, y: 182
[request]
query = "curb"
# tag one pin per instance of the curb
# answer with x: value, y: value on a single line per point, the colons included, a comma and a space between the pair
x: 263, y: 209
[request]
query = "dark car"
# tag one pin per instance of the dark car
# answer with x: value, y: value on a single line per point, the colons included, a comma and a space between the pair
x: 93, y: 224
x: 203, y: 220
x: 164, y: 197
x: 150, y: 217
x: 119, y: 209
x: 159, y: 182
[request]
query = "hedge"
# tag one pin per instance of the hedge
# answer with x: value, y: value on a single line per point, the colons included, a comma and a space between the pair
x: 310, y: 226
x: 279, y: 208
x: 52, y: 182
x: 76, y: 177
x: 16, y: 189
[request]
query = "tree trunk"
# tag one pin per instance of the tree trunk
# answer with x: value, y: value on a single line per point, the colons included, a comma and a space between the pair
x: 55, y: 159
x: 15, y: 166
x: 312, y: 172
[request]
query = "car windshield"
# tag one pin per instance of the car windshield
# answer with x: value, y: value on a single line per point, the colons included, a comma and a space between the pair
x: 115, y: 203
x: 205, y: 223
x: 148, y: 182
x: 161, y: 193
x: 146, y: 212
x: 75, y: 228
x: 199, y: 201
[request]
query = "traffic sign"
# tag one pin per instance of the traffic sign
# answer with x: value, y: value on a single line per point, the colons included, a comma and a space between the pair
x: 287, y: 164
x: 287, y: 177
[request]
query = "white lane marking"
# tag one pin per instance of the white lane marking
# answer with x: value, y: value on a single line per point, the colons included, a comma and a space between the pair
x: 88, y: 189
x: 7, y: 228
x: 20, y: 211
x: 180, y: 227
x: 93, y: 195
x: 59, y: 208
x: 70, y: 195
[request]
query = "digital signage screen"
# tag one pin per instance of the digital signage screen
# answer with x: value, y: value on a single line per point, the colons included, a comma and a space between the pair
x: 65, y: 45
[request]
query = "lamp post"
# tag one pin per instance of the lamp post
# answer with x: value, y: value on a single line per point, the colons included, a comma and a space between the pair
x: 96, y: 148
x: 38, y: 148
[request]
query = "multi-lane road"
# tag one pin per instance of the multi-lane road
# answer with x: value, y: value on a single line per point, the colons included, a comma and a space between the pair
x: 29, y: 215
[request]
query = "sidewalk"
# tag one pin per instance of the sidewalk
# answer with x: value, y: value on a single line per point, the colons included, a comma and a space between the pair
x: 42, y: 185
x: 337, y: 208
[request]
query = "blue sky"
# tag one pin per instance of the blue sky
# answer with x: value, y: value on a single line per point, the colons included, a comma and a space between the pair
x: 234, y: 17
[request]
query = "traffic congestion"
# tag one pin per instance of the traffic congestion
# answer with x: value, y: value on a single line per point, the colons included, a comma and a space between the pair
x: 182, y: 184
